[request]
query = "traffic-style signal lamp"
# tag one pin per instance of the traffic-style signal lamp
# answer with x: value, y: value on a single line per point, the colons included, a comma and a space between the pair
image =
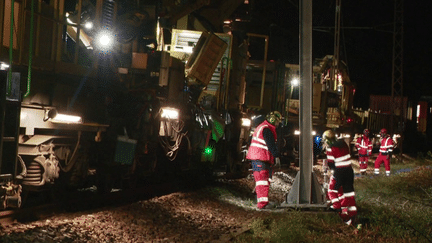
x: 207, y: 154
x: 208, y: 151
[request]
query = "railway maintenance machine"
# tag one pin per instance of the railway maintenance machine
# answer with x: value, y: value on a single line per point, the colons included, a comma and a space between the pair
x: 108, y: 92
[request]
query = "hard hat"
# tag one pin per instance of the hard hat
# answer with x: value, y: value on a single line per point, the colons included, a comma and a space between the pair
x: 273, y: 117
x: 329, y: 137
x: 366, y: 132
x: 383, y: 132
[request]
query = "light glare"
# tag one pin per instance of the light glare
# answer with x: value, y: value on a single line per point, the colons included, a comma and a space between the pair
x: 170, y: 113
x: 88, y: 25
x: 297, y: 132
x: 105, y: 40
x: 63, y: 118
x: 246, y: 122
x: 4, y: 66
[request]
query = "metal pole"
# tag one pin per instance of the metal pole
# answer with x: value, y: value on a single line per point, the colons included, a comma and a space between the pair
x: 397, y: 76
x: 305, y: 125
x: 306, y: 190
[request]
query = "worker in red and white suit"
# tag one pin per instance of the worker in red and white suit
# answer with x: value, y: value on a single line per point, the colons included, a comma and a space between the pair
x: 340, y: 190
x: 264, y: 155
x: 385, y: 152
x: 364, y: 148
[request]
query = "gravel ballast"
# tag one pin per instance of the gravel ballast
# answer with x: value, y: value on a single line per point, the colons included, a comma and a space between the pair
x: 211, y: 214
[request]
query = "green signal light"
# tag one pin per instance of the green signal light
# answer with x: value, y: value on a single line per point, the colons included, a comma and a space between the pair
x: 208, y: 150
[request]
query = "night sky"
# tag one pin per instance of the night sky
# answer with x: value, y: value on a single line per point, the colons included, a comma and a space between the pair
x: 367, y: 48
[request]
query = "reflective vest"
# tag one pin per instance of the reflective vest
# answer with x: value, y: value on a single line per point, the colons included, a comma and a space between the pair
x: 386, y: 145
x: 258, y: 149
x: 364, y: 145
x: 339, y: 154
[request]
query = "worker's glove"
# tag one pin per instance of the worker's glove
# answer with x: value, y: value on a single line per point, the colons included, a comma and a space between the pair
x: 325, y: 169
x: 277, y: 163
x: 325, y: 166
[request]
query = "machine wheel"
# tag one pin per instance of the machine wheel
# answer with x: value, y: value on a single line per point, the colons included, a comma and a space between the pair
x: 24, y: 196
x: 104, y: 183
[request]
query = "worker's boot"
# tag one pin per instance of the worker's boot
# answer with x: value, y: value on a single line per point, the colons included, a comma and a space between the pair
x: 270, y: 205
x: 349, y: 221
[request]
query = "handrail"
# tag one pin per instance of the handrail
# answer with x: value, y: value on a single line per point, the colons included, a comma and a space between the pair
x: 266, y: 39
x: 8, y: 92
x: 30, y: 49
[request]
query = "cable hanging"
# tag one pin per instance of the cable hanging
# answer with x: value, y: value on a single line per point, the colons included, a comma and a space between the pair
x: 171, y: 150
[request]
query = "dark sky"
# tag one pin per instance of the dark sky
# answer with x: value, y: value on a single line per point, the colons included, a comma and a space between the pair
x: 367, y: 48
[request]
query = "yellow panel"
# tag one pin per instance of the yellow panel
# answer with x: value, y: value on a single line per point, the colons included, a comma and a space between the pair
x: 7, y: 22
x: 316, y: 99
x: 207, y: 55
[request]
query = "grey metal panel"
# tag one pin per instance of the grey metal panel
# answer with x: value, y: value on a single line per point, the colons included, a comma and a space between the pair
x: 38, y: 139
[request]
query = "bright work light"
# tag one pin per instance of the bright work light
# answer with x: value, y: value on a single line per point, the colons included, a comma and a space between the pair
x: 4, y: 66
x: 297, y: 132
x: 63, y: 118
x: 246, y: 122
x: 104, y: 40
x: 88, y: 25
x: 169, y: 113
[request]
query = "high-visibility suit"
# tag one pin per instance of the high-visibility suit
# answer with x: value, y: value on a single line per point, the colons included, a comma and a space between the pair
x: 364, y: 148
x: 262, y: 152
x: 341, y: 186
x: 384, y: 156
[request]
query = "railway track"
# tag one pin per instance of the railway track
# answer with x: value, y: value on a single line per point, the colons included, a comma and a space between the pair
x: 86, y: 200
x: 50, y: 203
